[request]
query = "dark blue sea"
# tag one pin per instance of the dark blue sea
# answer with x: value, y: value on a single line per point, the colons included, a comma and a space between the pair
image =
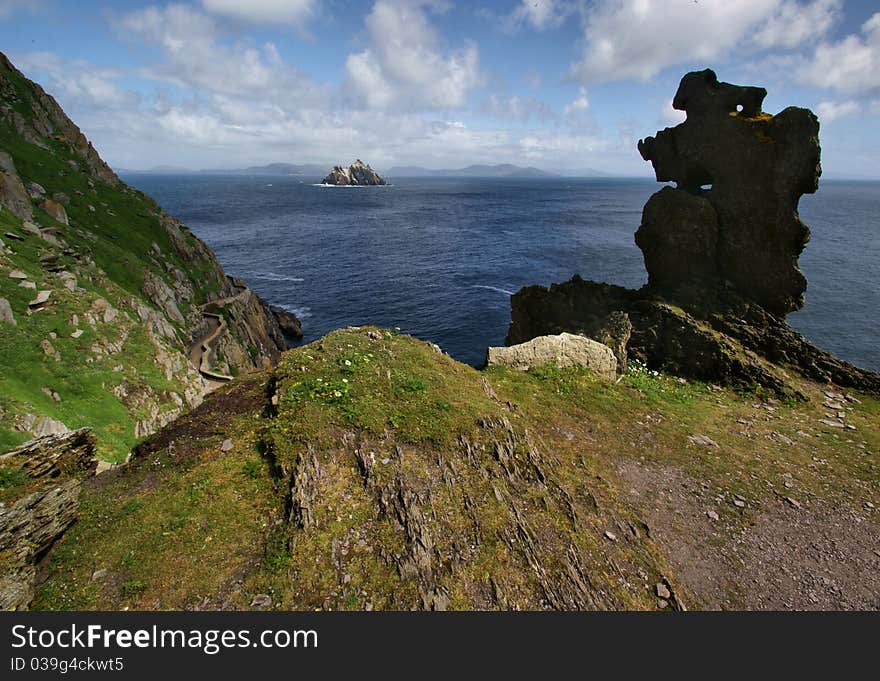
x: 439, y: 258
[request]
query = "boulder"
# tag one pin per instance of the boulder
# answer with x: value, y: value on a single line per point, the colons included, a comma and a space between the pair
x: 55, y: 210
x: 35, y: 190
x: 49, y: 426
x: 6, y: 312
x: 13, y: 194
x: 563, y: 350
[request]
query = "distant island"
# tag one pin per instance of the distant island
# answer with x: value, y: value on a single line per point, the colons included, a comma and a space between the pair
x: 502, y: 170
x: 357, y: 174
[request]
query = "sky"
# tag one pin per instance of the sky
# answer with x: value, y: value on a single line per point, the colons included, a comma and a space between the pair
x: 562, y: 85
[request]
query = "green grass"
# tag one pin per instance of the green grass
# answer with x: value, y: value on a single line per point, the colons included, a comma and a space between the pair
x: 114, y: 227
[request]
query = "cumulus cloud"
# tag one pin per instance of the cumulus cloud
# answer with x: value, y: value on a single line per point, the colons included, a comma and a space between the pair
x: 293, y: 12
x: 639, y: 38
x: 197, y: 57
x: 830, y: 111
x: 404, y: 66
x: 78, y: 81
x: 578, y: 105
x: 794, y: 23
x: 851, y: 65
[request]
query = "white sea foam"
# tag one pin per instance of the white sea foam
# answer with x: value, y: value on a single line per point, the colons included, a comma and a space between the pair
x: 272, y: 276
x: 300, y: 312
x: 351, y: 186
x: 494, y: 288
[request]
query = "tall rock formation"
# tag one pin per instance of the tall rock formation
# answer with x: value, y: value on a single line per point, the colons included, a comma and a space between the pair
x: 721, y: 251
x: 732, y: 220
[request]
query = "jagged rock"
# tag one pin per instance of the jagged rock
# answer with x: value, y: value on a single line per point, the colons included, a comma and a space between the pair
x: 27, y: 284
x: 289, y: 322
x: 17, y: 274
x: 614, y: 331
x: 6, y: 312
x: 744, y: 231
x: 31, y: 523
x: 61, y: 197
x: 41, y: 299
x: 563, y: 350
x: 722, y: 262
x: 35, y: 190
x: 358, y: 173
x: 155, y: 288
x: 49, y: 426
x: 55, y: 210
x: 13, y: 194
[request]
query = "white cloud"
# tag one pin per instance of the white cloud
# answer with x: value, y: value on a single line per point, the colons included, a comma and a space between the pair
x: 198, y: 57
x: 292, y: 12
x: 639, y: 38
x: 540, y: 14
x: 794, y: 23
x: 578, y: 105
x: 404, y: 65
x: 851, y: 65
x: 78, y: 81
x: 830, y: 111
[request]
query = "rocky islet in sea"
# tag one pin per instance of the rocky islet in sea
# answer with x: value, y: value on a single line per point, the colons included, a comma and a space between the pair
x: 358, y: 174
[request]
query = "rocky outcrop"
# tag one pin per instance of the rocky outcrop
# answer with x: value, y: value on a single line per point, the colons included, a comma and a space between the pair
x: 563, y: 350
x: 288, y: 322
x: 55, y: 210
x: 732, y: 220
x: 40, y: 507
x: 720, y: 248
x: 13, y: 195
x: 44, y: 120
x: 358, y: 173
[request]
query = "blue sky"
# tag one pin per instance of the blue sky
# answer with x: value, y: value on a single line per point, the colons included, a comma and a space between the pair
x: 558, y: 84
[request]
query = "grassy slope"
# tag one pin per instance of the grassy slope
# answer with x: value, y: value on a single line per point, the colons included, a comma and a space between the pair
x: 117, y: 236
x: 187, y: 525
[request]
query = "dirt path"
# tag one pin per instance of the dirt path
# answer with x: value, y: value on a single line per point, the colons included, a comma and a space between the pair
x: 769, y: 555
x: 200, y: 351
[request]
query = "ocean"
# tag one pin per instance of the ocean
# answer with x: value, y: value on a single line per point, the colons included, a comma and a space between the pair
x: 439, y: 258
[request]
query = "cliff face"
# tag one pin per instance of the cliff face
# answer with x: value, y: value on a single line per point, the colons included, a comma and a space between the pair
x: 358, y: 173
x: 102, y: 293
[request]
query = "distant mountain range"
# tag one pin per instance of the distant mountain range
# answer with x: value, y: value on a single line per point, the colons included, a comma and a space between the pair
x: 314, y: 170
x: 503, y: 170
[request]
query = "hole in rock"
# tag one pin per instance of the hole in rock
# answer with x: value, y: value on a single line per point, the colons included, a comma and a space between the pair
x: 739, y: 108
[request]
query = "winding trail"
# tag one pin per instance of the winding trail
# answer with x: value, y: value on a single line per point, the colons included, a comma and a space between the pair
x: 200, y: 353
